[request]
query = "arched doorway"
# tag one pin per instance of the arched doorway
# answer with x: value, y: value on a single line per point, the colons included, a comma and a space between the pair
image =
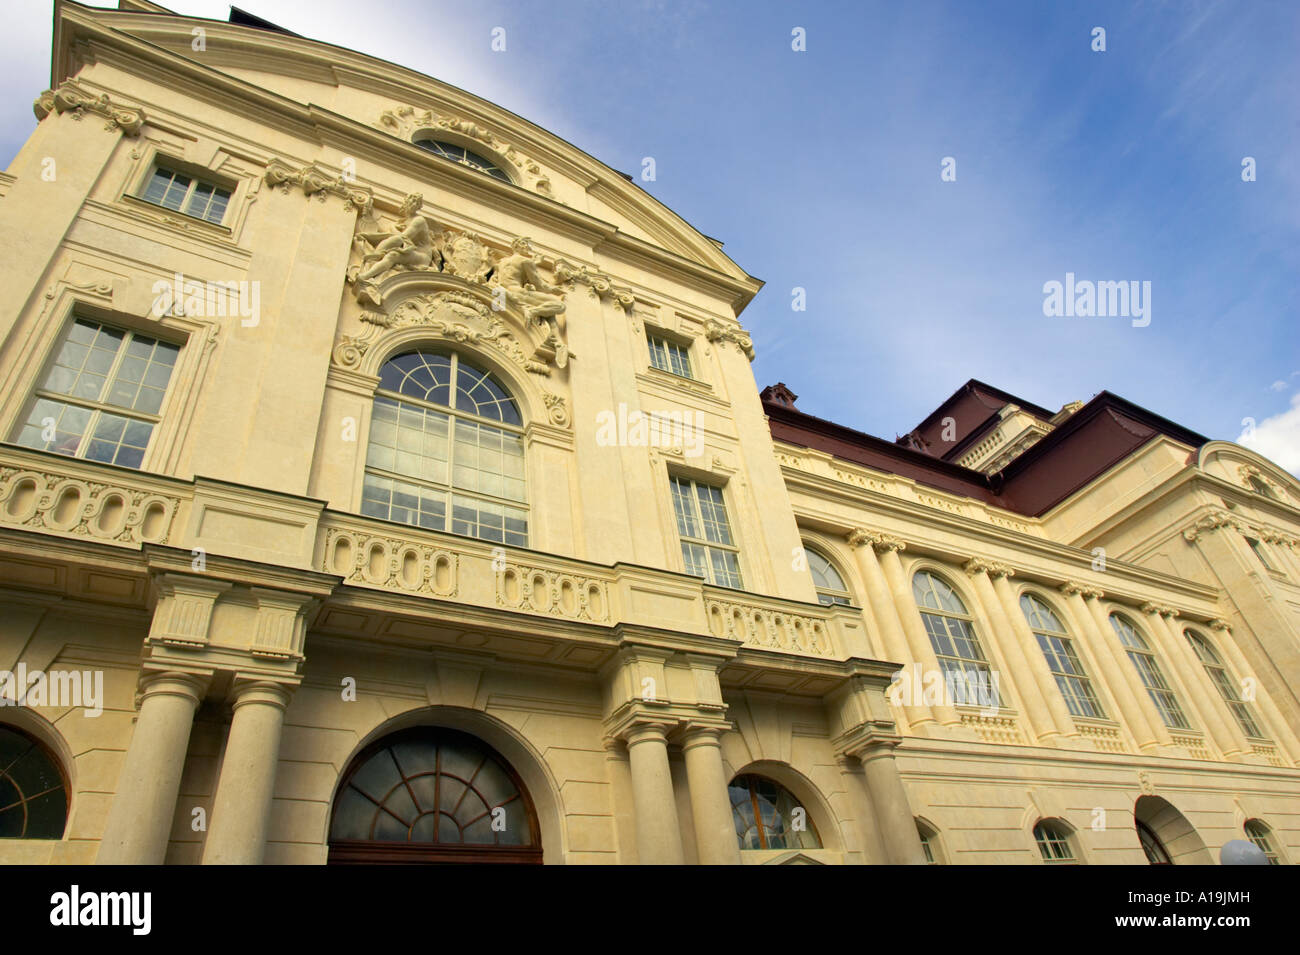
x: 1166, y: 837
x: 432, y: 795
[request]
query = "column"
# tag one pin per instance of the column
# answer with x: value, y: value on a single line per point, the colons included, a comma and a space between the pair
x: 1275, y: 723
x: 1034, y: 683
x: 894, y: 819
x: 241, y: 811
x: 873, y: 846
x: 1112, y: 670
x: 1129, y: 673
x: 891, y: 630
x: 1201, y: 695
x: 658, y: 835
x: 620, y: 781
x: 715, y: 828
x: 918, y: 640
x: 139, y: 823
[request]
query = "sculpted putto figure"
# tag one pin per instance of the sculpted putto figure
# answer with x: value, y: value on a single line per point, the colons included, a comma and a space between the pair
x: 525, y: 289
x: 409, y: 246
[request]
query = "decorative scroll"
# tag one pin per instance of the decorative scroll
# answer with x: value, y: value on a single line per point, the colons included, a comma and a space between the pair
x: 69, y: 98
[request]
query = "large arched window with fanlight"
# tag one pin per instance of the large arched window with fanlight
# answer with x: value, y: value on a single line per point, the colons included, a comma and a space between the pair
x: 33, y: 790
x: 446, y: 449
x: 951, y: 629
x: 432, y: 795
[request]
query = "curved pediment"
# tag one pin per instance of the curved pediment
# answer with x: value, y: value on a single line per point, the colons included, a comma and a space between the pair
x: 1239, y: 464
x: 316, y: 86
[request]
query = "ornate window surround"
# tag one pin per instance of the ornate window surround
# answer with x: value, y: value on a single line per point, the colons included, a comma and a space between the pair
x: 243, y: 185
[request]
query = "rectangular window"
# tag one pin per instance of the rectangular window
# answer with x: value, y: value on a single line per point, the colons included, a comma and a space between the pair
x: 101, y: 395
x: 669, y: 356
x: 186, y: 194
x: 707, y: 546
x: 1258, y: 548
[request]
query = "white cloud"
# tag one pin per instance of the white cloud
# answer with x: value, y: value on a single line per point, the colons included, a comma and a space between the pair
x: 1278, y: 385
x: 1278, y: 437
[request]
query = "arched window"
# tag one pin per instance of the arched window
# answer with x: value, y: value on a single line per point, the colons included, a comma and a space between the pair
x: 1152, y: 847
x: 1144, y: 660
x: 1064, y: 663
x: 446, y: 450
x: 1226, y: 685
x: 1262, y: 836
x: 929, y: 843
x: 432, y: 795
x: 33, y: 792
x: 830, y: 585
x: 1053, y: 839
x: 767, y: 816
x: 952, y: 634
x: 459, y: 154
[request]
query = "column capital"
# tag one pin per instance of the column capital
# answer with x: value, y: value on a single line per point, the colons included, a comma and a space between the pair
x: 867, y: 740
x: 979, y: 565
x: 1160, y: 610
x: 188, y: 684
x: 1218, y: 623
x: 1087, y: 591
x: 699, y: 734
x: 861, y: 537
x: 261, y: 690
x: 70, y: 97
x: 645, y: 733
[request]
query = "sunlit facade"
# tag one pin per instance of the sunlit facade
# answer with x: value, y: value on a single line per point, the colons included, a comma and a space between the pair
x: 384, y: 479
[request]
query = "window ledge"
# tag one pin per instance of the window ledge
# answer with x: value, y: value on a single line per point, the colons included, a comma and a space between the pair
x: 172, y: 217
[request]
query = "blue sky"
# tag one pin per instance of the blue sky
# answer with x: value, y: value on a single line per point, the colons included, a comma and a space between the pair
x: 821, y: 169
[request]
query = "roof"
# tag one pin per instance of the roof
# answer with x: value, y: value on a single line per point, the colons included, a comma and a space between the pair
x: 1093, y: 440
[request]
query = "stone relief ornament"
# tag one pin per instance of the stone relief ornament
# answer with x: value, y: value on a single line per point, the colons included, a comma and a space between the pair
x: 458, y: 316
x: 69, y: 98
x: 406, y: 121
x: 599, y: 284
x: 315, y: 181
x: 539, y: 301
x: 465, y: 255
x: 717, y: 332
x: 408, y: 245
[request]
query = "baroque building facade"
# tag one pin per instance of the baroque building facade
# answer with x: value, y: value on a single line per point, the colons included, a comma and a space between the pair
x: 384, y: 479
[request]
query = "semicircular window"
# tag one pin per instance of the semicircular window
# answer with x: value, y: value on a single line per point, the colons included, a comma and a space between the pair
x: 432, y: 795
x: 33, y: 792
x: 767, y: 815
x: 446, y: 450
x: 459, y: 154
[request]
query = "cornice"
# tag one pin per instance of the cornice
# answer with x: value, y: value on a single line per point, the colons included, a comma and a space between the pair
x: 911, y: 513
